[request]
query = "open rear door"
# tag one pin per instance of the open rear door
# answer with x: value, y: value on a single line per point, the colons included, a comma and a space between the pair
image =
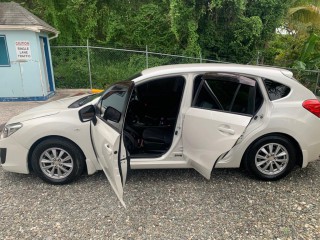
x: 207, y: 135
x: 221, y: 110
x: 106, y: 133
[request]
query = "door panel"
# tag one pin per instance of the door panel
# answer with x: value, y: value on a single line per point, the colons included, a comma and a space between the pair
x: 207, y: 134
x: 106, y: 141
x: 106, y: 133
x: 124, y: 162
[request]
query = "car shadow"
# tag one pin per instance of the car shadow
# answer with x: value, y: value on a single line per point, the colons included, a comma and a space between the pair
x: 310, y: 173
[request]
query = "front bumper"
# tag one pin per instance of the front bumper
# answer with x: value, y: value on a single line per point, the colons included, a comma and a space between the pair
x: 14, y: 157
x: 3, y: 155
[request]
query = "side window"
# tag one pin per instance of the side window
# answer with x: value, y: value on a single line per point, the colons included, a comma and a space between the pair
x: 4, y: 56
x: 112, y: 105
x: 243, y: 100
x: 205, y: 99
x: 276, y: 90
x: 258, y: 100
x: 115, y: 99
x: 225, y: 93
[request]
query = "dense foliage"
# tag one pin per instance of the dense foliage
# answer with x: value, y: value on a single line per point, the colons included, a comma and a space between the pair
x: 231, y: 30
x: 274, y: 32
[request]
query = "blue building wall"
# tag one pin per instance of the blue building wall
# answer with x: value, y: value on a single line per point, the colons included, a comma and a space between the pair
x: 26, y: 80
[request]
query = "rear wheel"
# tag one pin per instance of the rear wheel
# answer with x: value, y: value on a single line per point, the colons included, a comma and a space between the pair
x: 57, y: 161
x: 271, y: 157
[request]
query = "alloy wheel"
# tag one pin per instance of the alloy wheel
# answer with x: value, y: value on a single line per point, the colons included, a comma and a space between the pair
x: 272, y: 158
x: 56, y: 163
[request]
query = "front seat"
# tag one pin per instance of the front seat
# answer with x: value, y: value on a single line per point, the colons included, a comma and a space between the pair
x: 157, y: 139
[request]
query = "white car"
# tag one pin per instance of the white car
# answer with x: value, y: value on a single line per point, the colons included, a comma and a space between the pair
x: 200, y: 116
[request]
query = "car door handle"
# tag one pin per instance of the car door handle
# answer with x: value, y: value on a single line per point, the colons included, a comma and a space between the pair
x: 108, y: 148
x: 226, y: 130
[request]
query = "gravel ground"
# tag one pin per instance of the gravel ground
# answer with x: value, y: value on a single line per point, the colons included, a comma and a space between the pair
x: 161, y: 204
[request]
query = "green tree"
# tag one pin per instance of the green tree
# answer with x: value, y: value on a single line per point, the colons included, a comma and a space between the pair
x: 304, y: 16
x: 230, y: 30
x: 242, y: 31
x: 236, y: 30
x: 299, y: 36
x: 309, y: 57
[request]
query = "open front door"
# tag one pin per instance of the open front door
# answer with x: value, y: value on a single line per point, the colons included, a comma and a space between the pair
x: 106, y: 133
x: 222, y: 108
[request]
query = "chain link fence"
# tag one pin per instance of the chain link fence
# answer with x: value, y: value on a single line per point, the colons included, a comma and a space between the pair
x: 97, y: 67
x: 309, y: 78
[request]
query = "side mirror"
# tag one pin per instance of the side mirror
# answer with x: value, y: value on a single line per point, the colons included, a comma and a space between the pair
x: 112, y: 114
x: 88, y: 113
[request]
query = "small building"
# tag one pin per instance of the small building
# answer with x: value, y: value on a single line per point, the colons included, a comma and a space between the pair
x: 26, y: 72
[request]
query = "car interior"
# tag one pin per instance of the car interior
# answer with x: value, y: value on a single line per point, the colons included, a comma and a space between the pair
x: 154, y: 107
x: 152, y: 115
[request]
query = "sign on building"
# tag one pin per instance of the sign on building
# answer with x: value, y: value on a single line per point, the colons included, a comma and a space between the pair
x: 23, y: 50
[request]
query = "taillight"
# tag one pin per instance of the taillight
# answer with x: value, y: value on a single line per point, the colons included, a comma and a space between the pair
x: 313, y: 106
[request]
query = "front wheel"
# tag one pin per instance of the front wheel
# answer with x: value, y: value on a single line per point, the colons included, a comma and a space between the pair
x: 271, y: 157
x: 57, y: 161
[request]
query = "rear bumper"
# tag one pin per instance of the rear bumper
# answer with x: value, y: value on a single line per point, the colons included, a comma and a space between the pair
x: 310, y: 154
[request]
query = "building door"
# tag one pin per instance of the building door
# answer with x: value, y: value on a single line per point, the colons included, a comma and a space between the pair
x: 46, y: 62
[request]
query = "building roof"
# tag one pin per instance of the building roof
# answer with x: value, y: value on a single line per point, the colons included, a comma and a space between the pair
x: 14, y: 16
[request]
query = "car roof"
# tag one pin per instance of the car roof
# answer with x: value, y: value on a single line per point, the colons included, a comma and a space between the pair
x: 267, y: 72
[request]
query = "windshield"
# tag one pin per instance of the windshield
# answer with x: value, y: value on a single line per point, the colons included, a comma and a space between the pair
x: 82, y: 101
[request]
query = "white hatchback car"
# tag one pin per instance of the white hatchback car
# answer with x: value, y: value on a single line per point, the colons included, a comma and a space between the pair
x: 197, y: 116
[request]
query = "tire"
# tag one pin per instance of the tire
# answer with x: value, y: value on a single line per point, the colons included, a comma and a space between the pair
x: 271, y: 158
x: 57, y: 161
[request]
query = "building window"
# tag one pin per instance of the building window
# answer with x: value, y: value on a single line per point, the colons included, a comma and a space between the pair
x: 4, y: 55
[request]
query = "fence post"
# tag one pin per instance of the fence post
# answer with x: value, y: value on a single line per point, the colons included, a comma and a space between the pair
x: 258, y: 58
x: 147, y: 57
x: 200, y: 57
x: 89, y: 64
x: 317, y: 84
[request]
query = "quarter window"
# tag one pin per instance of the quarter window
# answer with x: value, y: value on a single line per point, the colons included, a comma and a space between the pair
x: 276, y: 90
x: 4, y: 56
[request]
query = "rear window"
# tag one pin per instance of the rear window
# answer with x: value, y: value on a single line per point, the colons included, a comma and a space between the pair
x: 276, y: 90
